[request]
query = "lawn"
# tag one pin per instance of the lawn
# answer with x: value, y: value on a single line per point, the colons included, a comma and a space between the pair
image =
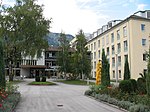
x: 75, y: 82
x: 42, y: 83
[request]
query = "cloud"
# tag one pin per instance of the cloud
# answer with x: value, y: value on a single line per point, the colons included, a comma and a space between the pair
x: 141, y: 6
x: 69, y: 17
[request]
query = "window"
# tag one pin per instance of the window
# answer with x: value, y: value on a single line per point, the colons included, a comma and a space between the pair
x: 50, y: 54
x: 119, y: 73
x: 91, y: 47
x: 118, y: 34
x: 107, y: 50
x: 94, y: 55
x: 98, y: 43
x: 144, y: 57
x: 119, y: 60
x: 143, y: 42
x: 125, y: 46
x: 99, y: 53
x: 113, y: 62
x: 125, y: 57
x: 125, y: 31
x: 91, y: 65
x: 94, y: 64
x: 112, y: 37
x: 113, y: 74
x: 119, y: 48
x: 103, y: 42
x: 142, y: 27
x: 107, y: 39
x: 94, y: 45
x: 94, y: 74
x: 91, y: 55
x: 113, y: 49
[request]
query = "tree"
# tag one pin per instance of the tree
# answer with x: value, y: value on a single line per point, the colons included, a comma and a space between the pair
x: 23, y: 29
x: 83, y: 64
x: 126, y: 70
x: 2, y: 69
x: 105, y: 78
x: 148, y: 77
x: 64, y: 56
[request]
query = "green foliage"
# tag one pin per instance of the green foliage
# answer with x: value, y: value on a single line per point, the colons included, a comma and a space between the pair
x: 126, y: 70
x: 82, y: 62
x: 88, y: 92
x: 37, y: 79
x: 42, y: 83
x: 10, y: 102
x: 134, y: 84
x: 148, y: 77
x: 43, y: 79
x: 2, y: 69
x: 23, y: 28
x: 75, y: 82
x: 139, y: 108
x: 11, y: 88
x: 126, y: 86
x: 64, y: 57
x: 141, y: 84
x: 105, y: 77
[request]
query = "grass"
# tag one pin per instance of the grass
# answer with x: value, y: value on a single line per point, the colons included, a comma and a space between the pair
x: 16, y: 81
x: 42, y: 83
x: 75, y: 82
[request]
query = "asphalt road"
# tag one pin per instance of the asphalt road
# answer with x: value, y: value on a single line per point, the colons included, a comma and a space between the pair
x: 58, y: 98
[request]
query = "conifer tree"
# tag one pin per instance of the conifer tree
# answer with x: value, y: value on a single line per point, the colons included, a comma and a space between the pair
x: 105, y: 78
x: 126, y: 70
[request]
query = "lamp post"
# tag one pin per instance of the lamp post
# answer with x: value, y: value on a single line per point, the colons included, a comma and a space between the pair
x: 116, y: 68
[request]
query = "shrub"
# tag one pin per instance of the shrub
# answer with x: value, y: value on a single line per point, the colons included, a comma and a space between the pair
x: 125, y: 86
x: 37, y: 79
x: 88, y: 92
x: 134, y: 84
x: 97, y: 88
x: 10, y: 88
x: 125, y: 104
x: 139, y: 108
x: 43, y: 79
x: 10, y: 102
x: 141, y: 84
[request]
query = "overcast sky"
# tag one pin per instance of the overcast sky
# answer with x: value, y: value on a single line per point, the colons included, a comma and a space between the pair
x: 70, y: 16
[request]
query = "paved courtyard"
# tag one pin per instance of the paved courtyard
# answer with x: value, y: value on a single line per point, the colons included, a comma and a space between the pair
x: 58, y: 98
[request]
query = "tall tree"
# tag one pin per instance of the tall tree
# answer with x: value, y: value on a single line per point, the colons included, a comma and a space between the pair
x: 2, y: 69
x: 105, y: 78
x: 23, y: 27
x: 148, y: 76
x: 83, y: 61
x: 126, y: 70
x: 64, y: 55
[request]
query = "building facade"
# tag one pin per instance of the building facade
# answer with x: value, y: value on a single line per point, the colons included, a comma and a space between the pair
x: 122, y: 39
x: 31, y: 67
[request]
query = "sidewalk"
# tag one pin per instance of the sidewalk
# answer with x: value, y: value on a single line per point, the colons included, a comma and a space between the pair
x: 59, y: 98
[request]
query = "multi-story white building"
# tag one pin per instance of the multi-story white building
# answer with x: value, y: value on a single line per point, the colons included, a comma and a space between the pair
x: 121, y: 39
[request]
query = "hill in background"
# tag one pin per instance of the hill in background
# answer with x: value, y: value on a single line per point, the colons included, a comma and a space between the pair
x: 53, y: 39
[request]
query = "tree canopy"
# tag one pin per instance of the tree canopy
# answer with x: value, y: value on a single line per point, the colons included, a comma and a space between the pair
x: 23, y: 28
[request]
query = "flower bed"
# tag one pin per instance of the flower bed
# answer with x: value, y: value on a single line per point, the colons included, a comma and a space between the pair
x: 9, y: 98
x: 10, y: 102
x: 130, y: 102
